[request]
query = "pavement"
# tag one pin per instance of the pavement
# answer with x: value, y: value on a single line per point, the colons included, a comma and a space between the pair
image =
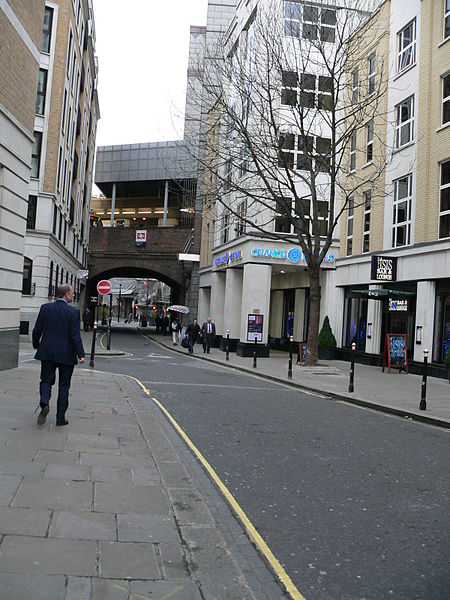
x: 115, y: 506
x: 397, y: 392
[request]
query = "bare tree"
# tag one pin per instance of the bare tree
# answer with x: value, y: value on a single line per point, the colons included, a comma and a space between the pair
x: 285, y: 104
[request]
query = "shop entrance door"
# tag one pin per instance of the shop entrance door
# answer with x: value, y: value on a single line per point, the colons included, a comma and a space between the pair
x: 288, y: 313
x: 399, y: 322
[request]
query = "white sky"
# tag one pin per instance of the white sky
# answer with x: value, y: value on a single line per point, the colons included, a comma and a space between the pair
x: 142, y: 49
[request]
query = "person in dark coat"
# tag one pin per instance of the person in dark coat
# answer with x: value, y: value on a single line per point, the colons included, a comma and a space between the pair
x: 192, y: 332
x: 158, y: 323
x: 208, y: 335
x: 56, y: 337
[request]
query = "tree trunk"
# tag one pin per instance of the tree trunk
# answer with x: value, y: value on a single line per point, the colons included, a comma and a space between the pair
x: 314, y: 316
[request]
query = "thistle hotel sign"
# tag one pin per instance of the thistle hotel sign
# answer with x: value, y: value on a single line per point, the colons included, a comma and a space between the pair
x: 229, y: 257
x: 383, y: 268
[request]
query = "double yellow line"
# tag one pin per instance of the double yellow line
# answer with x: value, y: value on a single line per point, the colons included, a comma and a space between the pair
x: 250, y: 529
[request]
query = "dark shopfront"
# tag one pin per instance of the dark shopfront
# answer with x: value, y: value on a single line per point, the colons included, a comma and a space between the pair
x: 442, y: 321
x: 397, y: 315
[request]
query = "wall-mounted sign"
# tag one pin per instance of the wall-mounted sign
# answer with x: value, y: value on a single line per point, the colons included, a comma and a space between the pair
x: 398, y: 305
x: 294, y: 255
x: 228, y: 258
x: 141, y: 238
x: 83, y: 274
x: 383, y: 268
x: 255, y: 327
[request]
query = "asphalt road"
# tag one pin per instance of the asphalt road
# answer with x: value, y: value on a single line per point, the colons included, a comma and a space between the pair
x: 352, y: 502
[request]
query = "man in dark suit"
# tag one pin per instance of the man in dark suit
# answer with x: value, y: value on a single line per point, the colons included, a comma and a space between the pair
x: 56, y: 336
x: 208, y: 335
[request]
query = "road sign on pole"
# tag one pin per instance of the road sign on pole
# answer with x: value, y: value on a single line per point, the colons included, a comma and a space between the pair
x: 104, y: 287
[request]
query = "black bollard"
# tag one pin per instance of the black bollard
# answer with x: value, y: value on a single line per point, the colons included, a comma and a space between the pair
x: 423, y: 396
x: 254, y: 351
x: 351, y: 387
x: 94, y: 335
x: 227, y: 349
x: 291, y: 339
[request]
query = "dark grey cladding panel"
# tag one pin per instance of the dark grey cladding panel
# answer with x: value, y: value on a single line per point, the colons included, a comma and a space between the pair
x: 9, y: 349
x: 153, y: 161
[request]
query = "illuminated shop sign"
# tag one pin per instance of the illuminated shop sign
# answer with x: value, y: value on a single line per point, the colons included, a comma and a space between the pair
x: 383, y: 268
x: 398, y: 305
x: 228, y: 258
x: 294, y: 255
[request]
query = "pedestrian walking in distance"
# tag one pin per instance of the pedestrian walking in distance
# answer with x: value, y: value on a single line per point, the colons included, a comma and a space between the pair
x: 208, y: 335
x: 192, y: 332
x: 175, y: 326
x: 56, y: 336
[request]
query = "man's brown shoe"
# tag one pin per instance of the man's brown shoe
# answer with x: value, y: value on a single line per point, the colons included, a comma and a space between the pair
x: 43, y: 414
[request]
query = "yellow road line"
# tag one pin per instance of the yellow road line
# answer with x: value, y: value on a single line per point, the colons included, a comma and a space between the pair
x: 251, y: 531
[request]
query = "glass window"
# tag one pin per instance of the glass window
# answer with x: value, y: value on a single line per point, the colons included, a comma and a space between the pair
x: 31, y: 214
x: 446, y: 98
x: 307, y: 90
x: 369, y: 141
x: 353, y: 151
x: 319, y: 23
x: 50, y: 281
x: 401, y: 229
x: 242, y: 214
x: 404, y: 127
x: 351, y: 207
x: 406, y: 46
x: 47, y: 29
x: 323, y: 149
x: 355, y: 80
x: 371, y: 74
x: 291, y: 19
x: 27, y: 275
x: 283, y: 215
x: 305, y: 151
x: 225, y: 227
x: 286, y: 151
x: 325, y: 98
x: 41, y: 91
x: 444, y: 201
x: 356, y: 320
x: 310, y: 22
x: 36, y: 154
x: 446, y: 19
x: 289, y: 89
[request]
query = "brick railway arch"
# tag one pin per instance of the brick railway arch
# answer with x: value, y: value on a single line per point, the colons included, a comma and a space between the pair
x: 133, y: 272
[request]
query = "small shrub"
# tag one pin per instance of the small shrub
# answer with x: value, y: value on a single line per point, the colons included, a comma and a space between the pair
x: 326, y: 338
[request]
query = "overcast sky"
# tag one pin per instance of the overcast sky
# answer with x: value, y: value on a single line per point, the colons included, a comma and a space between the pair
x: 142, y: 49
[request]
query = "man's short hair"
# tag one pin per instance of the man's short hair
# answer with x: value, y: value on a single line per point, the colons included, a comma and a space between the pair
x: 62, y: 290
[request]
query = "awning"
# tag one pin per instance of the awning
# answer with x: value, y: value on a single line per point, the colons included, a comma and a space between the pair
x: 382, y: 294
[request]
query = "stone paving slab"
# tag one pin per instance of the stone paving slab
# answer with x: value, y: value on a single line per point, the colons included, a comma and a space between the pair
x: 111, y: 474
x: 128, y: 560
x: 24, y: 554
x: 146, y: 528
x: 26, y: 586
x: 189, y: 507
x: 24, y: 521
x: 44, y: 457
x: 52, y: 493
x: 8, y: 487
x: 68, y: 472
x: 83, y: 526
x: 116, y: 589
x: 121, y: 498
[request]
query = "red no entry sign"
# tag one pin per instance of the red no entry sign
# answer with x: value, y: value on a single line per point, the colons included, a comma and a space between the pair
x: 103, y: 287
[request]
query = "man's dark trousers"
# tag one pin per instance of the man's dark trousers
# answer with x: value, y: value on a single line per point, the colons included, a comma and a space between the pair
x: 48, y: 372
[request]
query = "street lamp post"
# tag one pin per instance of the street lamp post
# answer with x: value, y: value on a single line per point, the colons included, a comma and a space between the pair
x: 423, y: 396
x: 291, y: 339
x: 227, y: 354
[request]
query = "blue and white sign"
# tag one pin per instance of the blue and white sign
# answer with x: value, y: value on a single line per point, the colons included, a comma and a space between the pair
x: 227, y: 258
x: 294, y: 255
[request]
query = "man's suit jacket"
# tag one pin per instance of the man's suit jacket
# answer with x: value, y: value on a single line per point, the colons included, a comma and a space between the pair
x: 205, y: 329
x: 56, y: 335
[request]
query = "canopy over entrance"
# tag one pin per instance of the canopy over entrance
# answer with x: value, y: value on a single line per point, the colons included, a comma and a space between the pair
x: 382, y: 294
